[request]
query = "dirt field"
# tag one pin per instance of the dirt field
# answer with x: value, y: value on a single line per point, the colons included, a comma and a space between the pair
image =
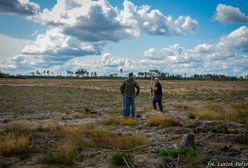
x: 78, y: 123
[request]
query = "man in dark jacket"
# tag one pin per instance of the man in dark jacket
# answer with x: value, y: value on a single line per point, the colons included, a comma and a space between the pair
x: 158, y: 94
x: 128, y: 91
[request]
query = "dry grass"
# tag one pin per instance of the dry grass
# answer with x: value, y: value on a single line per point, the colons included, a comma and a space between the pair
x: 11, y: 144
x: 64, y: 154
x: 21, y: 128
x: 129, y: 121
x: 120, y: 121
x: 54, y: 127
x: 214, y: 111
x: 160, y: 120
x: 106, y: 139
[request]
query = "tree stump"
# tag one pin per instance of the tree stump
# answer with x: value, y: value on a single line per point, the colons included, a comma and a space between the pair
x: 188, y: 140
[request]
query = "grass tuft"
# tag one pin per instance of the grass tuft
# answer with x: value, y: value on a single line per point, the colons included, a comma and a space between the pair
x: 11, y: 144
x: 64, y: 155
x: 160, y: 120
x: 106, y: 139
x: 214, y: 111
x: 121, y: 121
x: 186, y: 153
x: 117, y: 158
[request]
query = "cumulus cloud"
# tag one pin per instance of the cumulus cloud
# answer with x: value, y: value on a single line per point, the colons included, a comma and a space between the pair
x: 81, y: 28
x: 54, y: 42
x: 217, y: 57
x: 19, y: 7
x: 236, y: 40
x: 99, y: 21
x: 102, y: 64
x: 10, y: 47
x: 227, y: 55
x: 228, y: 14
x: 28, y: 60
x: 154, y: 21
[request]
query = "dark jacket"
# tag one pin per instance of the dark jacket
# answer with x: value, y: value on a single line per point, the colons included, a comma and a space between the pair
x: 159, y: 91
x: 128, y: 87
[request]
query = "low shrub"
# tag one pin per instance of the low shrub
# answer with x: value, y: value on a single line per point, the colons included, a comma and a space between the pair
x: 117, y: 158
x: 186, y: 153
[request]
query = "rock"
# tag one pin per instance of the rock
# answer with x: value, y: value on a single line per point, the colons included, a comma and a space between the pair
x: 210, y: 134
x: 188, y: 140
x: 225, y: 148
x: 140, y: 127
x: 218, y: 100
x: 138, y: 115
x: 5, y: 120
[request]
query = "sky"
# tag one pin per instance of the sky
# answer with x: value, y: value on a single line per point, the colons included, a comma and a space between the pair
x: 104, y: 36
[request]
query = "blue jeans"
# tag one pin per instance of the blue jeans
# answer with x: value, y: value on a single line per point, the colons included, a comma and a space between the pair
x: 128, y: 106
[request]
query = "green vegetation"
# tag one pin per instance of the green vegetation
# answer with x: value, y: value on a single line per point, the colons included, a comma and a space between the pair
x: 185, y: 153
x: 117, y: 158
x: 65, y: 154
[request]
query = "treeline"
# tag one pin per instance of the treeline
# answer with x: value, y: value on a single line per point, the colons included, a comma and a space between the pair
x: 6, y: 75
x: 151, y: 74
x: 168, y: 76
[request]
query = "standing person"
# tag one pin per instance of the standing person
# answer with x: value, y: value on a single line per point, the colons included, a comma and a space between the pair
x: 158, y: 94
x: 128, y: 91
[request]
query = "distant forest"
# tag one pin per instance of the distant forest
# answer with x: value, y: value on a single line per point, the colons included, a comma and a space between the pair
x: 84, y: 74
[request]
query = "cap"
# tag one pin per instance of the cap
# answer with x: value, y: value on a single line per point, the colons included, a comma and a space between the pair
x: 156, y: 79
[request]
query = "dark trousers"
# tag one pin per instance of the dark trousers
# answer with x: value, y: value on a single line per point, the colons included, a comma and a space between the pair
x: 157, y: 99
x: 128, y: 106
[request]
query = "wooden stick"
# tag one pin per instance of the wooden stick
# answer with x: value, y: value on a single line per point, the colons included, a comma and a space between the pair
x: 125, y: 162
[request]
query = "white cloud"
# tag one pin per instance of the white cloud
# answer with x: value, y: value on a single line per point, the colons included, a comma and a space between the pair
x: 217, y: 57
x: 228, y: 14
x: 19, y: 7
x: 154, y: 21
x: 54, y: 42
x: 10, y: 47
x: 81, y: 28
x: 228, y: 55
x: 99, y: 21
x: 103, y: 64
x: 236, y: 40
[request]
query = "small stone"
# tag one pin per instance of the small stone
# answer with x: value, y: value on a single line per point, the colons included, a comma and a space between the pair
x: 139, y: 127
x: 209, y: 135
x: 5, y: 120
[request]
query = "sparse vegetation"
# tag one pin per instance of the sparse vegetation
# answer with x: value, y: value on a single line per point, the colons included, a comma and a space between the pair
x: 65, y: 154
x: 12, y: 144
x: 106, y: 139
x: 214, y: 111
x: 186, y: 153
x: 160, y: 120
x: 117, y: 158
x: 46, y: 121
x: 121, y: 121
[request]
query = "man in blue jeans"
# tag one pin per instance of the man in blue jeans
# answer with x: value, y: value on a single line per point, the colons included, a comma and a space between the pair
x: 128, y: 91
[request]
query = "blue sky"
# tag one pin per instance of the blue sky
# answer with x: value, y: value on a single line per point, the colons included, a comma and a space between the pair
x: 176, y: 36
